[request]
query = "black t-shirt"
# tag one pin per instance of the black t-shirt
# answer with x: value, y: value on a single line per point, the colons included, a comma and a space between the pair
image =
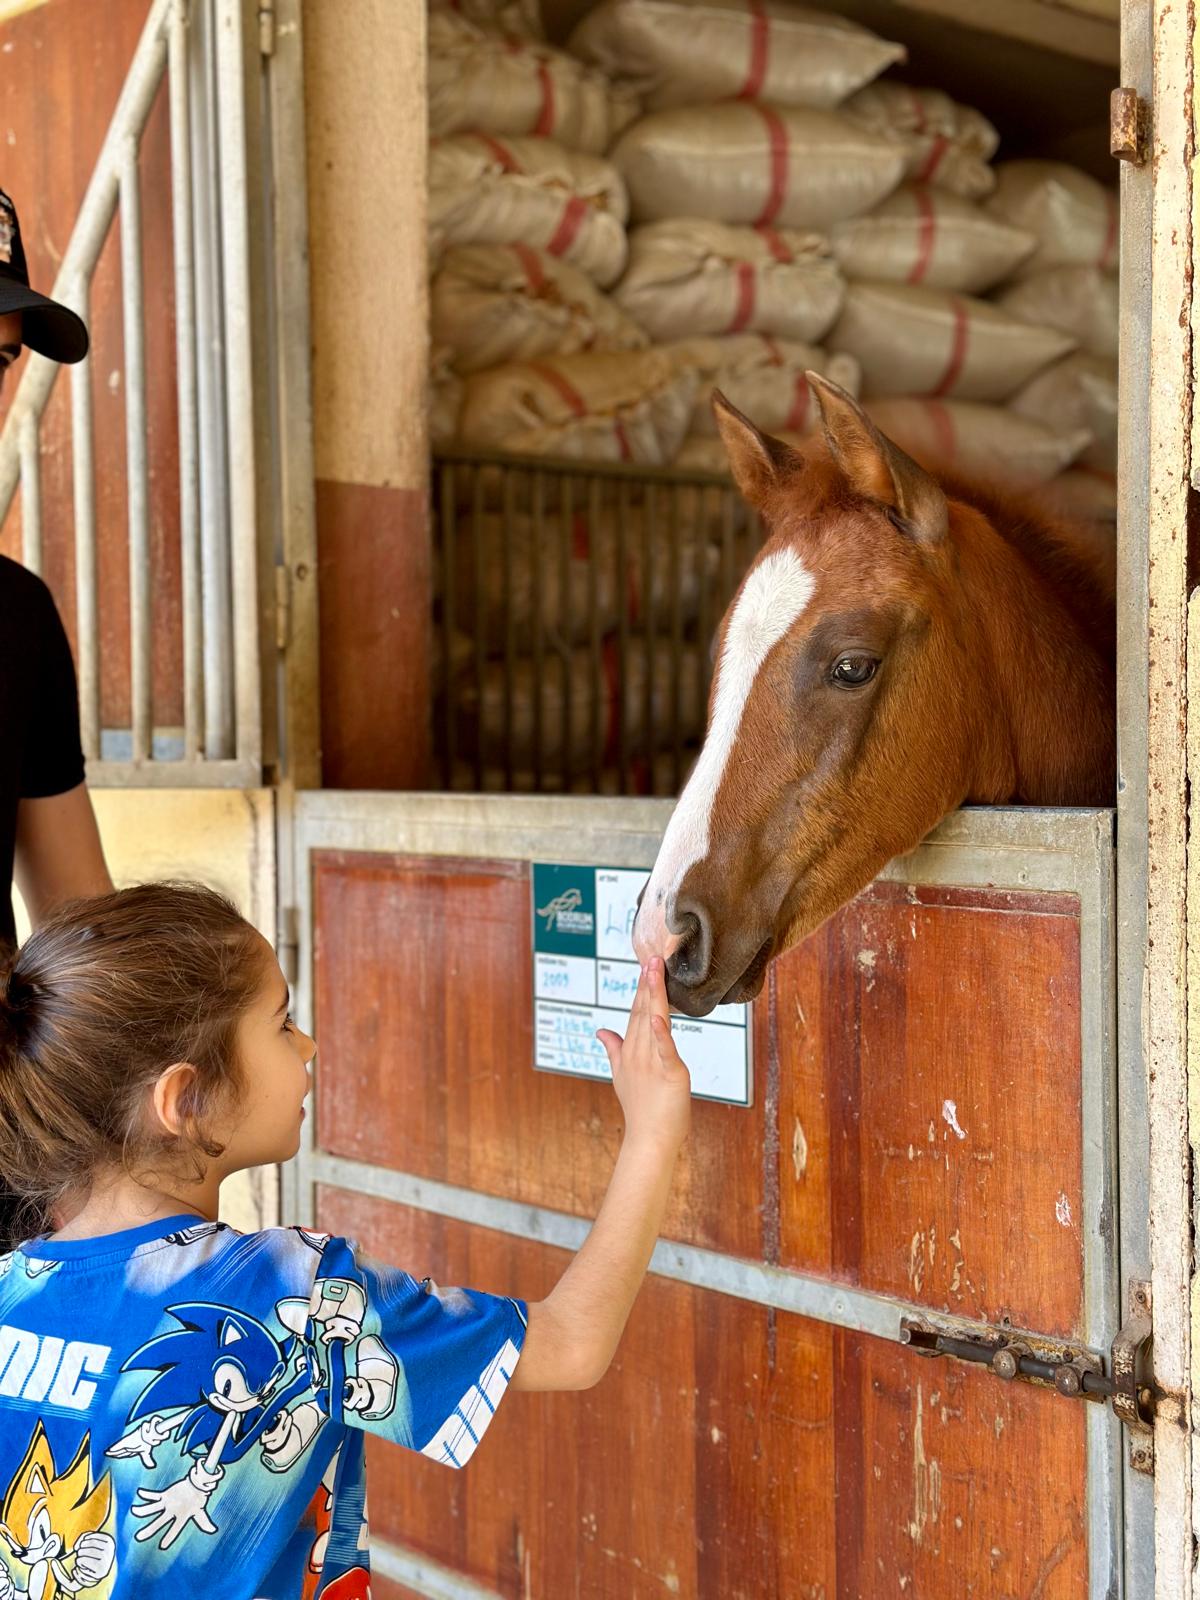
x: 40, y: 749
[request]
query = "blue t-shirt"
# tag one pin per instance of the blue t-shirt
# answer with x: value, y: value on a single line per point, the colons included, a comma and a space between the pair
x: 183, y: 1408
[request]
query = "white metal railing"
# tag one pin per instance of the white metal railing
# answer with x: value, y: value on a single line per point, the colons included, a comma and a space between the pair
x: 198, y: 46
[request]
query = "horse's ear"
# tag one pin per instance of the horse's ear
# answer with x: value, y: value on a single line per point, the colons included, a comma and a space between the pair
x: 875, y: 467
x: 758, y: 462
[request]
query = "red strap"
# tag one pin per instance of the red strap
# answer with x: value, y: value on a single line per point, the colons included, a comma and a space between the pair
x: 1110, y: 235
x: 567, y: 390
x: 937, y: 149
x: 797, y: 421
x: 501, y: 152
x: 926, y: 230
x: 920, y: 121
x: 568, y: 226
x: 771, y: 346
x: 943, y: 426
x: 743, y: 312
x: 544, y: 126
x: 756, y: 71
x: 610, y: 663
x: 581, y: 543
x: 532, y: 267
x: 622, y: 438
x: 958, y: 350
x: 777, y: 135
x: 775, y: 244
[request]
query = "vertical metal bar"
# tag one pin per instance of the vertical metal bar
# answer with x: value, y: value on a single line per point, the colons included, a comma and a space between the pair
x: 704, y: 547
x: 482, y: 731
x: 447, y: 545
x: 87, y: 617
x: 507, y: 532
x: 592, y: 548
x: 624, y: 594
x: 728, y: 583
x: 239, y: 377
x: 31, y: 492
x: 216, y: 588
x: 185, y: 362
x: 537, y: 549
x: 566, y: 623
x: 651, y: 533
x: 676, y: 644
x: 136, y: 464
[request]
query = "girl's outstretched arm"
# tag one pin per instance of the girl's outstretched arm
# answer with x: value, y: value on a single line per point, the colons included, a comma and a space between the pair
x: 573, y: 1333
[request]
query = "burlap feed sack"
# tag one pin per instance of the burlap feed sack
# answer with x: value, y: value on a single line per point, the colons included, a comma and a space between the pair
x: 689, y: 52
x: 511, y: 19
x: 1086, y: 493
x: 495, y: 303
x: 484, y: 190
x: 691, y: 276
x: 546, y: 575
x: 1077, y: 392
x: 1073, y: 217
x: 1081, y: 301
x: 480, y: 83
x: 946, y: 145
x: 910, y: 340
x: 931, y: 237
x: 633, y: 406
x: 763, y: 377
x: 618, y: 692
x: 988, y: 442
x: 759, y: 164
x: 445, y: 397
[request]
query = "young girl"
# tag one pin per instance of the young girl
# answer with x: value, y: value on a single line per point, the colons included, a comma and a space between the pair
x: 183, y: 1408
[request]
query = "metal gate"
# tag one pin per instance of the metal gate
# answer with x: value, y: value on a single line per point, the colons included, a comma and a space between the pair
x: 931, y: 1151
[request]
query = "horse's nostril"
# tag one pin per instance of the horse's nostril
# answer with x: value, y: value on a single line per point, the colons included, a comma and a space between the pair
x: 690, y: 961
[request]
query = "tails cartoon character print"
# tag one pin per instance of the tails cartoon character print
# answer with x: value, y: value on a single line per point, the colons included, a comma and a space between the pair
x: 225, y: 1384
x: 57, y: 1527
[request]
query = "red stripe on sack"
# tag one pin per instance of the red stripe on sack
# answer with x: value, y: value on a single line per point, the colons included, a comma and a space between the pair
x: 958, y: 350
x: 743, y: 311
x: 610, y: 664
x: 934, y: 159
x: 501, y: 152
x: 943, y: 426
x: 568, y: 226
x: 531, y: 266
x: 581, y: 543
x: 1110, y: 236
x: 622, y: 439
x: 567, y: 390
x: 771, y: 346
x: 777, y: 136
x: 775, y: 244
x: 756, y: 72
x: 920, y: 121
x: 544, y: 126
x: 926, y: 233
x: 797, y: 420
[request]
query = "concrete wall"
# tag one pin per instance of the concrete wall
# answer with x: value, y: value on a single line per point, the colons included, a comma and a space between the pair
x: 365, y: 107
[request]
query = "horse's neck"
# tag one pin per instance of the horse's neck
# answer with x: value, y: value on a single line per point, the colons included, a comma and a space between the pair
x: 1046, y: 688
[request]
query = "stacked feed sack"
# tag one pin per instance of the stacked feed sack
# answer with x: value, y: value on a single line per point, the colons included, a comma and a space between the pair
x: 1069, y: 283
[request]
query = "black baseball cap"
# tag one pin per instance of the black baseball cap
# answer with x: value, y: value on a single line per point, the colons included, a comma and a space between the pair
x: 50, y: 329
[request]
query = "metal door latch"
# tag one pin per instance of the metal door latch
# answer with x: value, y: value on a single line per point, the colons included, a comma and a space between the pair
x: 1070, y: 1370
x: 1126, y: 127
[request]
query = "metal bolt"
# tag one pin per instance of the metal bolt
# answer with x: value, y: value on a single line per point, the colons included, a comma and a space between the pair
x: 1068, y: 1381
x: 1004, y: 1364
x: 1146, y: 1399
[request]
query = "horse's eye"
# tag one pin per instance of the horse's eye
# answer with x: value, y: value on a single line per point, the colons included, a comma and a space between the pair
x: 851, y: 672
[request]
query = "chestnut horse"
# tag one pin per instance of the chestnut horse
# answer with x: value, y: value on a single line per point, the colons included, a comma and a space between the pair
x: 903, y: 643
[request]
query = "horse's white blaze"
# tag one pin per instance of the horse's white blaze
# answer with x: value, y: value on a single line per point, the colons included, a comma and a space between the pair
x: 774, y: 597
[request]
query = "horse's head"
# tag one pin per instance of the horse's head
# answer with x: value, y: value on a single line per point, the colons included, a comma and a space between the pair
x: 841, y: 722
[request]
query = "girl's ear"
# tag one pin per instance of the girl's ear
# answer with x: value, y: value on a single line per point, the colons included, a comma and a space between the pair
x: 170, y: 1091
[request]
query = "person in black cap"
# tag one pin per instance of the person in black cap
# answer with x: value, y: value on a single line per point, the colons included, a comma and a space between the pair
x: 48, y: 833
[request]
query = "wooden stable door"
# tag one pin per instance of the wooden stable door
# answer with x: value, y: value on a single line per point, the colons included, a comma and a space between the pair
x: 930, y: 1141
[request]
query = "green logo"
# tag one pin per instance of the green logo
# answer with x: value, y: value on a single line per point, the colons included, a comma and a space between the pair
x: 564, y: 910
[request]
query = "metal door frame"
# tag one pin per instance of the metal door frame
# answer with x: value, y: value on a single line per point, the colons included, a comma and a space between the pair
x: 1068, y: 851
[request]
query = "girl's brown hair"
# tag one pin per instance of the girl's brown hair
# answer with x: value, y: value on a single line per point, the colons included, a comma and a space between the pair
x: 93, y: 1007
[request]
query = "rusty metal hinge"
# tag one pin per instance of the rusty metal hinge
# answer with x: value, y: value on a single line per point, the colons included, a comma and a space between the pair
x: 1127, y: 126
x: 1070, y: 1370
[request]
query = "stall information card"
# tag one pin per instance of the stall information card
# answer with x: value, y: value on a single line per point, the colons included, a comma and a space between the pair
x: 585, y: 977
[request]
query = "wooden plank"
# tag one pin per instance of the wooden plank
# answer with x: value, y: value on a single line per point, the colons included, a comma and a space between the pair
x: 424, y: 1013
x: 734, y: 1454
x: 929, y: 1040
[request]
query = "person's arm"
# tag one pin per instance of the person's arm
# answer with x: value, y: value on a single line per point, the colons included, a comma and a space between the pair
x: 58, y: 853
x: 574, y: 1332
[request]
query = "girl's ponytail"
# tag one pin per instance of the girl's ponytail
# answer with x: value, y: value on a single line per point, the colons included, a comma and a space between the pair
x: 19, y: 1218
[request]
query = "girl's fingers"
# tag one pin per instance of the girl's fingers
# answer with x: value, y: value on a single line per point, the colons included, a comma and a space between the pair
x: 612, y: 1043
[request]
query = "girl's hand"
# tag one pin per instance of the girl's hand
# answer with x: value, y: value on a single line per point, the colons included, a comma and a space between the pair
x: 652, y: 1083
